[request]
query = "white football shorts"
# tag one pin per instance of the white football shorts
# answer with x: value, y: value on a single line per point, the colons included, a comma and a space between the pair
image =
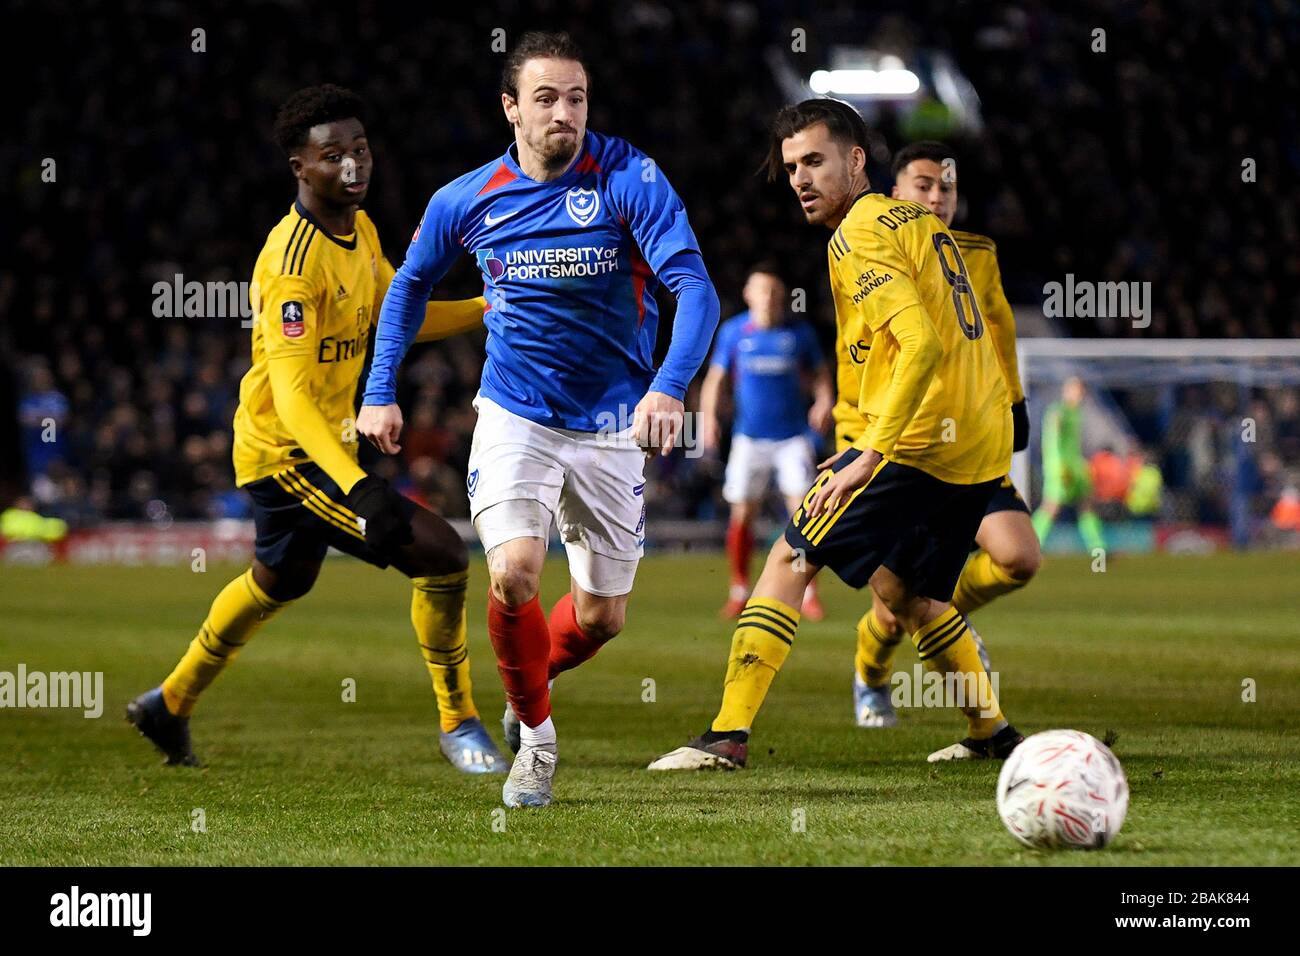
x: 524, y: 476
x: 752, y: 461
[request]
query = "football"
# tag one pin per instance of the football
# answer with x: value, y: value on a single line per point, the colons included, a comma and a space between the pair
x: 1063, y: 788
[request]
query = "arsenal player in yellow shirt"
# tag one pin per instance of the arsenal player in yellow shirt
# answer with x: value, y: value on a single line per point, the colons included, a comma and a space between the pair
x: 316, y: 292
x: 899, y: 508
x: 1009, y: 554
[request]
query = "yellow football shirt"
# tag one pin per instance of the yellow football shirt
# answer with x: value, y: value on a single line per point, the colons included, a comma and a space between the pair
x: 895, y: 266
x: 980, y: 255
x: 315, y: 297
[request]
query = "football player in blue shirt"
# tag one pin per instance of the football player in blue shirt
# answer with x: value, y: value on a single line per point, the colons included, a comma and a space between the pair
x: 572, y: 231
x: 769, y: 359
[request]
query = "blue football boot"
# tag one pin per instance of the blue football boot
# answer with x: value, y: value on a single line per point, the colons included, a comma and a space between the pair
x: 469, y: 749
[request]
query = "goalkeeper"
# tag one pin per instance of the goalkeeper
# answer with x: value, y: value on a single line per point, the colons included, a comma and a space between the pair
x: 1066, y: 479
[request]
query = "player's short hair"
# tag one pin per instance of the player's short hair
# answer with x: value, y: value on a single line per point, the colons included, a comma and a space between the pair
x: 767, y: 267
x: 538, y: 45
x: 930, y: 149
x: 842, y: 121
x: 311, y: 107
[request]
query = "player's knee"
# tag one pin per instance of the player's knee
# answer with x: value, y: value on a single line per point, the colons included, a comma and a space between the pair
x: 1021, y: 563
x: 288, y: 582
x: 515, y: 586
x: 437, y: 549
x: 893, y: 595
x: 601, y: 621
x: 885, y: 618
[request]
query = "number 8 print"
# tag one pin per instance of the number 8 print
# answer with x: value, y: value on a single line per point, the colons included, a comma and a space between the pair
x: 961, y: 286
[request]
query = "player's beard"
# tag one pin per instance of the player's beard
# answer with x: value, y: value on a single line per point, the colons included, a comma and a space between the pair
x: 834, y: 202
x: 556, y: 152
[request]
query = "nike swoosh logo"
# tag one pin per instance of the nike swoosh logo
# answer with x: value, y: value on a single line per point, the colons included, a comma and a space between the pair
x: 489, y: 221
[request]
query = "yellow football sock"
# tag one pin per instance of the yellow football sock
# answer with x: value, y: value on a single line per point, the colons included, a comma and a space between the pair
x: 239, y: 610
x: 438, y: 615
x: 981, y: 581
x: 764, y: 634
x: 945, y: 645
x: 876, y: 649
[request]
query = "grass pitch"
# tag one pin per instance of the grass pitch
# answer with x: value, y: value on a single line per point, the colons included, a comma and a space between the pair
x: 1155, y: 649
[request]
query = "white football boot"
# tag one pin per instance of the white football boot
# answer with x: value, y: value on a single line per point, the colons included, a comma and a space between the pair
x: 529, y: 782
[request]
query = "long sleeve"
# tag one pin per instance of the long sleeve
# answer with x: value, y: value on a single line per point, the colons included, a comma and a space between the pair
x: 291, y: 375
x: 919, y: 352
x: 442, y: 319
x: 403, y: 313
x: 1051, y: 439
x: 698, y: 311
x: 1001, y: 322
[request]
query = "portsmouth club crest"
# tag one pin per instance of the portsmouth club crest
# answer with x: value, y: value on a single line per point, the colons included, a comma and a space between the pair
x: 582, y: 205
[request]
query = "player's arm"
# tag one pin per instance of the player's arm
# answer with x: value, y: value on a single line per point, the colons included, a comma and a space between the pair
x: 442, y: 319
x: 1051, y: 442
x: 919, y: 353
x: 823, y: 386
x: 716, y: 379
x: 401, y: 317
x: 1001, y: 323
x: 657, y: 220
x: 821, y: 413
x: 658, y: 417
x: 290, y: 330
x: 894, y: 306
x: 693, y: 326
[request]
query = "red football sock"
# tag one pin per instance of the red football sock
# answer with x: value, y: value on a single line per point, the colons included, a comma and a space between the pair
x: 740, y: 545
x: 569, y: 645
x: 522, y: 644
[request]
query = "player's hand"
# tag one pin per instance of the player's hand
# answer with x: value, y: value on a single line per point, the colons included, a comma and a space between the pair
x: 819, y: 417
x: 1019, y: 426
x: 710, y: 433
x: 830, y: 462
x: 381, y: 425
x: 387, y: 524
x: 657, y: 422
x: 843, y: 483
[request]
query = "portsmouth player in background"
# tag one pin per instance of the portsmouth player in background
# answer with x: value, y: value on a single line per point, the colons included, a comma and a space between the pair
x: 900, y: 507
x: 1008, y: 555
x: 767, y: 357
x: 316, y: 287
x: 1067, y: 480
x: 573, y: 231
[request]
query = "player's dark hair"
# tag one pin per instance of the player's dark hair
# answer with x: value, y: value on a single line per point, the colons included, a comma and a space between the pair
x: 536, y: 45
x: 930, y: 149
x: 842, y: 121
x: 311, y: 107
x: 767, y: 267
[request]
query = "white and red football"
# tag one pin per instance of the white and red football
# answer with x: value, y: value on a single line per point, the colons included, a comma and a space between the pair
x: 1063, y: 788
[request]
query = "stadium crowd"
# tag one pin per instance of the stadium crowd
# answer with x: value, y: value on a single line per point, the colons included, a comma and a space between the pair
x: 1122, y: 164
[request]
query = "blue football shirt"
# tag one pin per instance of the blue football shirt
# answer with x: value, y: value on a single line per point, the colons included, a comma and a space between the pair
x: 765, y: 366
x: 568, y: 270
